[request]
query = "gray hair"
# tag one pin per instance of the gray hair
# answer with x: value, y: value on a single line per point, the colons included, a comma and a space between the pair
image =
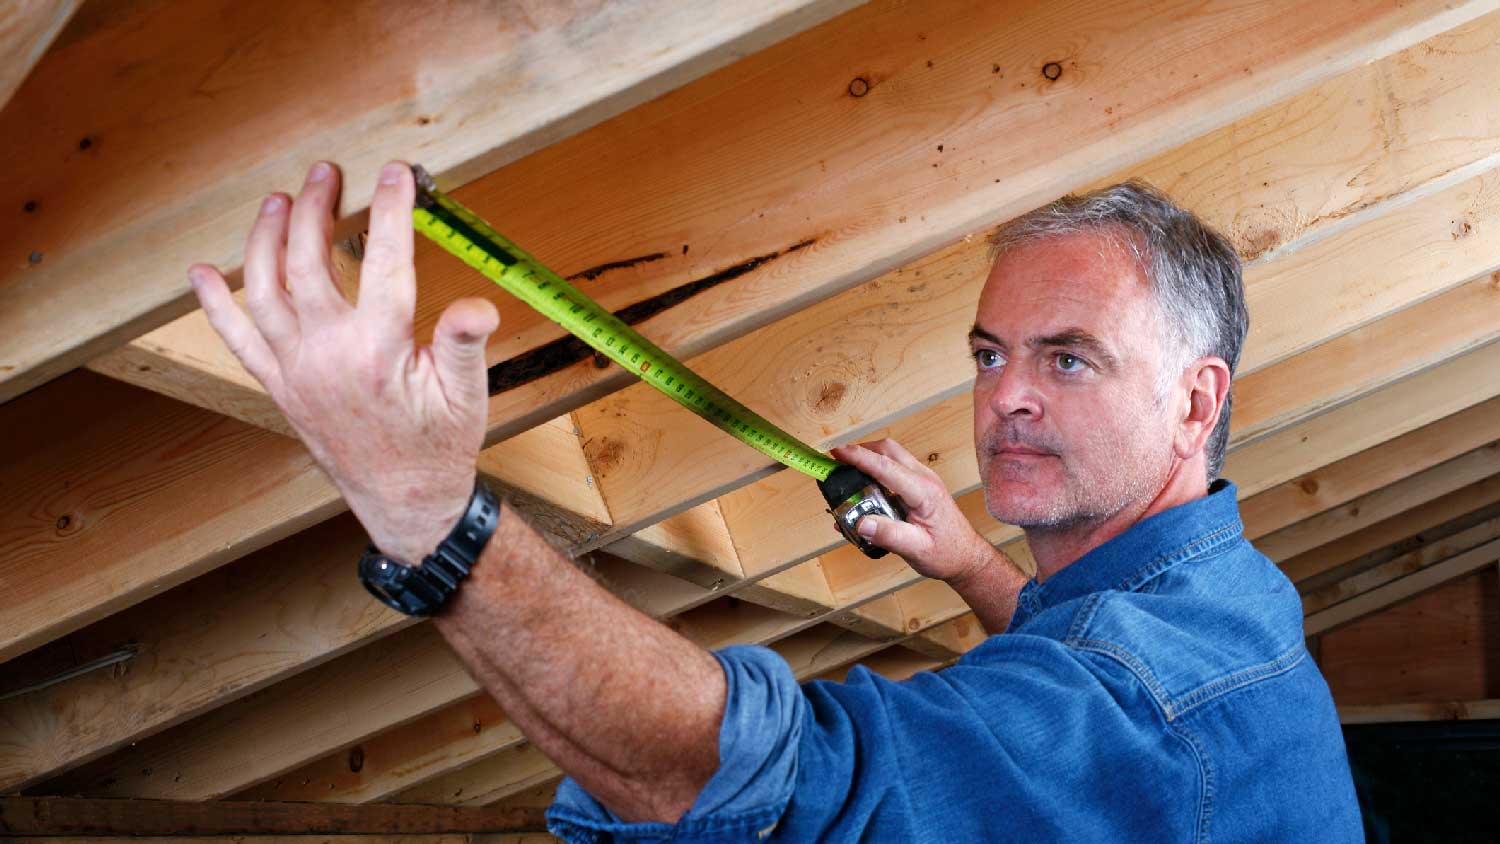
x: 1193, y: 270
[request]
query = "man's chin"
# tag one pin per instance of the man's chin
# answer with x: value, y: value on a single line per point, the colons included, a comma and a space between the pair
x: 1022, y: 508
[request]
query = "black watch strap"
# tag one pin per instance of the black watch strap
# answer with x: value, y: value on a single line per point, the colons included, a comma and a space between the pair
x: 424, y: 590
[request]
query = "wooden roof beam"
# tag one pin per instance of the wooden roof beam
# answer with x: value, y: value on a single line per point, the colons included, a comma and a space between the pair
x: 1376, y: 593
x: 904, y: 188
x: 1421, y: 516
x: 152, y: 186
x: 58, y: 816
x: 900, y: 576
x: 1416, y: 489
x: 1429, y: 554
x: 29, y: 28
x: 318, y: 502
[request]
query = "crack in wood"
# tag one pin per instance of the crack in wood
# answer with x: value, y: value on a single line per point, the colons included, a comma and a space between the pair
x: 566, y: 351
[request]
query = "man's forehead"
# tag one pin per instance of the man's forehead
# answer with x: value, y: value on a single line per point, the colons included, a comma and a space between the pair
x: 1082, y: 290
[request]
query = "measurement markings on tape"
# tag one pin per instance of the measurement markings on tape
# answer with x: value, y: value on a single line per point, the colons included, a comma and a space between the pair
x: 476, y: 243
x: 473, y: 241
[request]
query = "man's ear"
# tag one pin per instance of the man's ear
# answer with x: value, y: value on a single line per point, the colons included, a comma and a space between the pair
x: 1208, y: 390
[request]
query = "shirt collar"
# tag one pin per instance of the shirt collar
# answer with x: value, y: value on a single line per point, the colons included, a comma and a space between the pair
x: 1146, y: 548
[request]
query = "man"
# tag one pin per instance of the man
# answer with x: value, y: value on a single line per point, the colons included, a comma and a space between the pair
x: 1151, y: 683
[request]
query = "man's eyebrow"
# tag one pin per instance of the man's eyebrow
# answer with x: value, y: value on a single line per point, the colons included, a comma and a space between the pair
x: 1077, y: 338
x: 977, y: 333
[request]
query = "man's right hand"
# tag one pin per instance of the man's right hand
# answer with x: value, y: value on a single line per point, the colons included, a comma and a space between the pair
x: 936, y: 539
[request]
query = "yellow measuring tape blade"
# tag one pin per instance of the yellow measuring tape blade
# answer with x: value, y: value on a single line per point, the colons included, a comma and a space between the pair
x: 476, y: 243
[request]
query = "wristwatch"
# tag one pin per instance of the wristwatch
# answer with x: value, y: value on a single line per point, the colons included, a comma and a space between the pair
x: 424, y: 590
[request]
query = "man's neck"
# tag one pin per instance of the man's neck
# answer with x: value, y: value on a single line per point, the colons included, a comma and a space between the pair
x: 1055, y: 550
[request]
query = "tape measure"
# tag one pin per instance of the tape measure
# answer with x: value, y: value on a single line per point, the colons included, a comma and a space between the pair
x: 850, y: 493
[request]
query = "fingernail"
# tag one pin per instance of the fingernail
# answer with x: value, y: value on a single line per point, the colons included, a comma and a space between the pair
x: 319, y: 172
x: 195, y: 277
x: 271, y: 205
x: 390, y: 174
x: 865, y: 528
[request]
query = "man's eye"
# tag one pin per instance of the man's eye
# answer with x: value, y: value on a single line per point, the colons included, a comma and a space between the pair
x: 1070, y: 363
x: 987, y: 358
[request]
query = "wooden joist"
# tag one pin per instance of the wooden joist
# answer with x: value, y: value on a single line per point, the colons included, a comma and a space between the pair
x: 132, y: 186
x: 26, y: 31
x: 317, y: 499
x: 1417, y: 488
x: 1444, y: 710
x: 422, y: 759
x: 1390, y: 591
x: 1384, y: 572
x: 1339, y: 483
x: 1440, y: 510
x: 862, y: 183
x: 114, y: 494
x: 52, y: 816
x: 407, y: 675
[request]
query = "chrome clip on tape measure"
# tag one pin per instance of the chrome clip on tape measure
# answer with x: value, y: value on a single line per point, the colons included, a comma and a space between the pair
x: 850, y: 493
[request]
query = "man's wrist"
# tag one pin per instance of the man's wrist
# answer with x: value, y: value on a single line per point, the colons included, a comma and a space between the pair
x: 420, y: 529
x: 426, y: 588
x: 982, y: 559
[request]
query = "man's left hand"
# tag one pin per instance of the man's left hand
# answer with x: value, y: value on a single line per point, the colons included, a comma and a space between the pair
x: 936, y: 539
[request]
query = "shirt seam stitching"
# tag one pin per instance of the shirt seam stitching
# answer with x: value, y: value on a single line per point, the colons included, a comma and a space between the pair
x: 1196, y: 546
x: 1224, y: 685
x: 1134, y: 665
x: 1206, y: 771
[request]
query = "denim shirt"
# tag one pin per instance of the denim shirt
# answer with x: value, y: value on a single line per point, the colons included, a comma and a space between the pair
x: 1157, y: 689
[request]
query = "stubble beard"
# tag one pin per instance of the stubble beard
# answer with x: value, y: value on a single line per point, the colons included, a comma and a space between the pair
x: 1079, y: 501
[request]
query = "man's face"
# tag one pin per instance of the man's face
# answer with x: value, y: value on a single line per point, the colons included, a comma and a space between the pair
x: 1068, y: 345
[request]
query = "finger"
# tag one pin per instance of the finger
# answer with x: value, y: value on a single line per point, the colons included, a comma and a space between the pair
x: 265, y: 295
x: 905, y: 539
x: 897, y: 452
x: 309, y: 265
x: 891, y: 475
x: 233, y: 325
x: 387, y: 281
x: 458, y: 344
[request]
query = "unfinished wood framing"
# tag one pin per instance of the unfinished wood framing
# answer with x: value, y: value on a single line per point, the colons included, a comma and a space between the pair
x: 818, y: 255
x: 53, y: 816
x: 98, y: 285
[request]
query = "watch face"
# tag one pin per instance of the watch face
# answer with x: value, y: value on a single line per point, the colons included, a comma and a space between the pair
x: 385, y: 580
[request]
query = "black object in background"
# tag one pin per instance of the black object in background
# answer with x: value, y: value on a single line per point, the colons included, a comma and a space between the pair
x: 1435, y: 781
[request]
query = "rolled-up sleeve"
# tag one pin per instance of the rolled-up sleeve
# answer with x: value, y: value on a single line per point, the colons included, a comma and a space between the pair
x: 757, y: 766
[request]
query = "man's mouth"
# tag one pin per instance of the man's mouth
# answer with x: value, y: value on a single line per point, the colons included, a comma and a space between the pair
x: 1021, y: 451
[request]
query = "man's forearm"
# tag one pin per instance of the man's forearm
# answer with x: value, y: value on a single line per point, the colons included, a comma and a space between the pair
x: 990, y: 590
x: 624, y: 705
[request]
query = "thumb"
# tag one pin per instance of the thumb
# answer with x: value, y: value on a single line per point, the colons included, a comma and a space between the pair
x: 458, y: 344
x: 904, y: 538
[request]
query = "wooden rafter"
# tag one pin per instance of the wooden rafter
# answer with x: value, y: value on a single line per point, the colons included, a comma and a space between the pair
x: 936, y: 61
x: 1363, y: 409
x: 1316, y: 600
x: 898, y: 574
x: 134, y: 187
x: 26, y: 31
x: 53, y: 816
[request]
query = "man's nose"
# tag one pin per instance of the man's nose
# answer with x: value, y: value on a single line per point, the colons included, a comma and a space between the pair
x: 1015, y: 394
